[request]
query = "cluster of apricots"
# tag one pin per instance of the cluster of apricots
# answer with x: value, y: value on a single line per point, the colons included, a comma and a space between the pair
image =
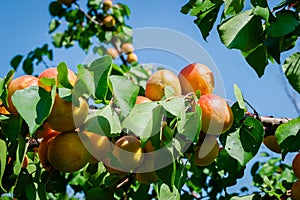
x: 127, y: 49
x: 217, y: 116
x: 295, y: 192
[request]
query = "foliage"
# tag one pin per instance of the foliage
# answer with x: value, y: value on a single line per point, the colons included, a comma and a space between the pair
x: 113, y: 88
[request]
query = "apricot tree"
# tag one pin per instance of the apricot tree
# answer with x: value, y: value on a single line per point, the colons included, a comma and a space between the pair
x: 120, y: 129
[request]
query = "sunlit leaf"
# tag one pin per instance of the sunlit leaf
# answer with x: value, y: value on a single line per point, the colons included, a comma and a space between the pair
x: 291, y: 69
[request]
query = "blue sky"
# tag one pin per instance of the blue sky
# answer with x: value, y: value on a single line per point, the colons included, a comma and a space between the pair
x: 24, y: 26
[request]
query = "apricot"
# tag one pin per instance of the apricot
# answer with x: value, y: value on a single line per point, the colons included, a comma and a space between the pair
x: 109, y: 21
x: 132, y: 57
x: 67, y: 152
x: 44, y: 130
x: 196, y: 77
x: 19, y: 83
x: 3, y: 110
x: 207, y: 151
x: 112, y: 52
x: 295, y: 192
x: 272, y: 144
x: 146, y: 171
x: 217, y: 116
x: 52, y: 73
x: 142, y: 99
x: 112, y: 167
x: 107, y: 4
x: 101, y: 145
x: 65, y: 116
x: 127, y: 48
x: 296, y: 165
x: 128, y: 151
x: 158, y: 81
x: 43, y: 150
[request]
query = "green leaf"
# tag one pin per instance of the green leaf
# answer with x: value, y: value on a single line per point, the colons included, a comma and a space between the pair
x: 238, y: 113
x: 34, y: 105
x: 104, y: 121
x: 54, y: 24
x: 125, y: 93
x: 166, y: 194
x: 28, y: 66
x: 30, y: 190
x: 85, y: 82
x: 242, y: 31
x: 56, y: 9
x: 144, y: 120
x: 20, y: 154
x: 167, y: 173
x: 263, y: 12
x: 99, y: 193
x: 101, y: 69
x: 291, y: 69
x: 188, y: 6
x: 174, y: 106
x: 57, y: 39
x: 280, y: 27
x: 233, y: 7
x: 257, y: 59
x: 3, y: 154
x: 62, y: 75
x: 15, y: 62
x: 207, y: 13
x: 3, y: 86
x: 288, y: 135
x: 244, y: 143
x: 189, y: 124
x: 239, y: 96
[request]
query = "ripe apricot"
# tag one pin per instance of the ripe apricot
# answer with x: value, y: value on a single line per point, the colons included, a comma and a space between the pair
x: 217, y: 116
x: 19, y: 83
x: 128, y: 151
x: 207, y: 151
x: 101, y: 145
x: 43, y: 150
x: 295, y: 193
x: 272, y: 144
x: 127, y: 48
x: 67, y: 152
x: 142, y: 99
x: 44, y: 130
x: 296, y: 165
x: 3, y: 110
x: 158, y: 81
x: 132, y: 57
x: 65, y: 116
x: 109, y: 21
x: 146, y: 171
x: 112, y: 52
x: 195, y: 77
x: 107, y: 4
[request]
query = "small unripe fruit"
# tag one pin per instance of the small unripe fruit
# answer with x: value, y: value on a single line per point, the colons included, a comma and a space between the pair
x: 158, y: 81
x: 109, y: 21
x: 195, y: 77
x: 112, y: 52
x: 272, y: 144
x: 107, y: 4
x: 142, y: 99
x: 295, y: 193
x: 132, y: 57
x: 127, y: 48
x: 217, y: 116
x: 129, y: 152
x: 296, y: 165
x: 67, y: 151
x: 19, y: 83
x: 206, y: 152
